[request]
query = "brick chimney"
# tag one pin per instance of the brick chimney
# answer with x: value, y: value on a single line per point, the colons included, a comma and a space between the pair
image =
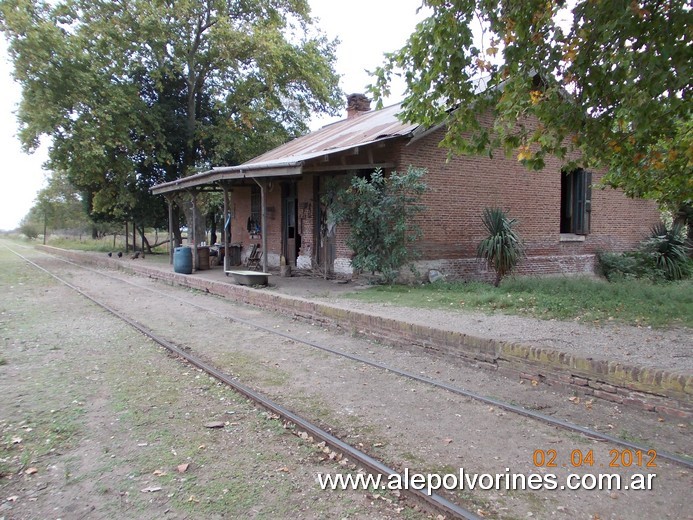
x: 357, y: 104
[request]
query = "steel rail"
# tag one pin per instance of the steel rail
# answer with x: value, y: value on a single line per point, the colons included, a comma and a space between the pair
x: 433, y: 501
x: 520, y: 410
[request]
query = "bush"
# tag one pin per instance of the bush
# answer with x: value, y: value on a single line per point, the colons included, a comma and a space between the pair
x: 502, y: 247
x: 620, y: 266
x: 662, y: 256
x: 667, y: 250
x: 29, y: 230
x: 380, y: 211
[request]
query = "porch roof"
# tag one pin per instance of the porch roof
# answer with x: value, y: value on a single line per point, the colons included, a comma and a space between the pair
x: 288, y: 159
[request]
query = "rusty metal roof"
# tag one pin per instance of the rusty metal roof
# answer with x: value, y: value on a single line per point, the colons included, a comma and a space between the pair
x: 287, y: 159
x: 365, y: 128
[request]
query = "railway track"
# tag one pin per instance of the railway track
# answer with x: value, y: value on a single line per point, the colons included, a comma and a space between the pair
x: 519, y: 410
x: 433, y: 502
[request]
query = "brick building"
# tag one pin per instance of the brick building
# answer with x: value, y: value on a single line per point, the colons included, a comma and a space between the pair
x: 562, y: 220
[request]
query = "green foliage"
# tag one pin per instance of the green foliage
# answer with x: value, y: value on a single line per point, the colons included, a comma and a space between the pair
x: 29, y: 229
x: 622, y: 266
x: 607, y: 79
x: 379, y: 211
x: 502, y: 248
x: 663, y: 256
x: 141, y: 92
x: 587, y: 300
x: 59, y: 206
x: 668, y: 251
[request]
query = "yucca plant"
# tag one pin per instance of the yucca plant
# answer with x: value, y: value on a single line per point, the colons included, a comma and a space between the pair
x: 667, y: 248
x: 502, y: 248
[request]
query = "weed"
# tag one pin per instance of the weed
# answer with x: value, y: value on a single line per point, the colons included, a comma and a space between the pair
x: 634, y: 302
x: 627, y: 436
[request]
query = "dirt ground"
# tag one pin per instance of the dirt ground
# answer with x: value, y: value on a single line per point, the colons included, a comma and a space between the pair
x: 670, y: 348
x: 97, y: 422
x: 118, y: 429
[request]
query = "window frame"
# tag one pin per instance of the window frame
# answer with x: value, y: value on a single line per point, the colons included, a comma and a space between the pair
x: 576, y: 202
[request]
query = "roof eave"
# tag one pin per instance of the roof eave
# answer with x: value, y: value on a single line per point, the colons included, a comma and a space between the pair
x: 229, y: 173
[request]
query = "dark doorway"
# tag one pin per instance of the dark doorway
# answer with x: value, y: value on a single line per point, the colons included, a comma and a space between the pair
x: 290, y: 236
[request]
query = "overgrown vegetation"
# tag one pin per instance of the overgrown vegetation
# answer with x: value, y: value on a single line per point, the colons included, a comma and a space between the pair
x: 663, y: 256
x: 502, y: 248
x: 633, y: 302
x: 625, y: 65
x: 380, y: 212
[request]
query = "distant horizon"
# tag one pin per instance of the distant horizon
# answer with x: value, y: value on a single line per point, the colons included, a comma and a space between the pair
x: 23, y: 176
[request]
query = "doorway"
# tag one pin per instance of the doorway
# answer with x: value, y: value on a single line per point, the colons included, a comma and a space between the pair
x: 290, y: 236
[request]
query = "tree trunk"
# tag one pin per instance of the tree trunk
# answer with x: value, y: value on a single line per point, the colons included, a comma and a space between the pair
x: 94, y: 233
x: 200, y: 232
x: 145, y: 242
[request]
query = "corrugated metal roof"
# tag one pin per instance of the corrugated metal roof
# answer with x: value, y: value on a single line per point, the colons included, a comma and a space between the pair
x: 287, y: 159
x: 365, y: 128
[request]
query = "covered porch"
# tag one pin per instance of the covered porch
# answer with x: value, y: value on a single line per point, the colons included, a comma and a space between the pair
x: 275, y: 201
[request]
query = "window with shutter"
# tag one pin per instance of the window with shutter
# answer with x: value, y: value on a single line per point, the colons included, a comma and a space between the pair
x: 576, y: 201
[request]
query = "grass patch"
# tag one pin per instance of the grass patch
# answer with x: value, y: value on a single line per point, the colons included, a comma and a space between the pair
x: 633, y: 302
x: 104, y: 244
x: 248, y: 368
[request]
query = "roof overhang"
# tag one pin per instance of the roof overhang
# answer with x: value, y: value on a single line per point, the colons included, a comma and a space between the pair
x: 229, y: 173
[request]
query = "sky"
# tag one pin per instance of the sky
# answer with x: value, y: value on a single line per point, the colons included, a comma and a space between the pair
x: 366, y: 29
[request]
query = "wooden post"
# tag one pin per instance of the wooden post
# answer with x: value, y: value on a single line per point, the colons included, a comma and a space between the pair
x: 263, y: 202
x: 170, y: 229
x: 263, y: 206
x: 194, y: 236
x: 225, y: 233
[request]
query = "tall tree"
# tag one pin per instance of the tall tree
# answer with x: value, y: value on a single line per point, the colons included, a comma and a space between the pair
x: 610, y: 79
x: 137, y: 92
x: 58, y: 206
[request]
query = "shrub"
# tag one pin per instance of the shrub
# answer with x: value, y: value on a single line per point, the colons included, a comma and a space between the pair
x: 662, y: 256
x: 29, y: 230
x: 502, y: 247
x: 620, y: 266
x: 667, y: 250
x: 379, y: 211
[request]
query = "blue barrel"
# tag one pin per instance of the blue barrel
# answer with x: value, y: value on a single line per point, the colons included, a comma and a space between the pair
x: 182, y: 260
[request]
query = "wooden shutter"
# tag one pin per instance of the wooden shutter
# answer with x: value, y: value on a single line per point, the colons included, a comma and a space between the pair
x: 582, y: 201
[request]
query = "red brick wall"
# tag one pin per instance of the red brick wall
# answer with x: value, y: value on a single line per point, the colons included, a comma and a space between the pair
x: 306, y: 221
x: 460, y: 189
x: 240, y: 211
x: 240, y: 208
